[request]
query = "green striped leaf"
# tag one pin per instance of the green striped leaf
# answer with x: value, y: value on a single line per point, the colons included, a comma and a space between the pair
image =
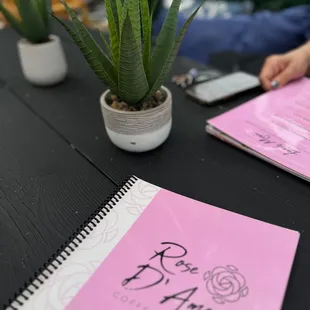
x: 93, y: 54
x: 113, y: 28
x: 107, y: 46
x: 164, y: 42
x: 113, y: 10
x: 119, y: 11
x: 132, y: 81
x: 171, y: 56
x: 147, y: 31
x: 129, y: 69
x: 134, y: 14
x: 123, y: 15
x: 92, y: 62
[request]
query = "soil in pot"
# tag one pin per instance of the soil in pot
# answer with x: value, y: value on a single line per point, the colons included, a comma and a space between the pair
x: 156, y: 100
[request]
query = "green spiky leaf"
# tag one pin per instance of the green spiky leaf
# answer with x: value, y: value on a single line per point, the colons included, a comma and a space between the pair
x: 133, y: 84
x: 113, y: 22
x: 119, y: 8
x: 43, y: 7
x: 135, y: 20
x: 171, y: 56
x: 129, y: 68
x: 32, y: 21
x: 92, y: 62
x: 108, y: 48
x: 147, y: 31
x: 164, y: 42
x: 123, y: 15
x: 93, y: 54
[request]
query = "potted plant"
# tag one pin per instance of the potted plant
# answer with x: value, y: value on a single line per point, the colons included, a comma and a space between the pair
x: 41, y: 55
x: 136, y: 107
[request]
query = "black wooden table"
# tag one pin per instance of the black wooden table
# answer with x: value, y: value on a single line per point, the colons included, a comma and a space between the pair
x: 57, y: 165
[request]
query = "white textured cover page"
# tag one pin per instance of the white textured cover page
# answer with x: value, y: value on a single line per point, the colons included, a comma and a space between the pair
x: 60, y: 288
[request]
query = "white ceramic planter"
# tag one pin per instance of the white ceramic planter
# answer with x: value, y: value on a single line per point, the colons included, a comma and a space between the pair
x: 139, y: 131
x: 43, y: 64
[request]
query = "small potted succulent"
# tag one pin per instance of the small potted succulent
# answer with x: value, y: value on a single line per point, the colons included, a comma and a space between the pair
x: 41, y: 55
x: 136, y: 107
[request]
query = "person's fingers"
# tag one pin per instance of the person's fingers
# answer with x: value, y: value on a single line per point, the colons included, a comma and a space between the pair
x: 270, y: 70
x: 286, y: 76
x: 266, y: 78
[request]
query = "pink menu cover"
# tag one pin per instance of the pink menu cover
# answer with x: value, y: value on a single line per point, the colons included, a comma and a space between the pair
x: 275, y: 125
x: 184, y: 254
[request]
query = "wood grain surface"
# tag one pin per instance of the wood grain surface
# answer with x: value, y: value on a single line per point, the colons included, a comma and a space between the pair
x: 47, y: 190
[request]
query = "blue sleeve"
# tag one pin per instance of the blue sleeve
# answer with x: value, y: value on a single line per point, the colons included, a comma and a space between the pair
x: 260, y: 33
x: 279, y: 32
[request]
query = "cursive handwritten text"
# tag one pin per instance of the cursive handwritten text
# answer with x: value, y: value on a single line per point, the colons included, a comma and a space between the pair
x: 267, y: 140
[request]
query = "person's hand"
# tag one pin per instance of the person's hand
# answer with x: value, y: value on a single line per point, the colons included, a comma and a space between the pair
x: 279, y: 70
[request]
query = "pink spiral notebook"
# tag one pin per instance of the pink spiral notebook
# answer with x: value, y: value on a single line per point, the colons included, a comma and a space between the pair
x: 159, y: 250
x: 274, y: 127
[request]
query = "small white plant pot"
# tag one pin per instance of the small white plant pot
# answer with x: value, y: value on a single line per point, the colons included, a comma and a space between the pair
x: 138, y: 131
x: 43, y: 64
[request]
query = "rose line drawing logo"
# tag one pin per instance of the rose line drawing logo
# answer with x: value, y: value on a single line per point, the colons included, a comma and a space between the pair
x: 226, y: 284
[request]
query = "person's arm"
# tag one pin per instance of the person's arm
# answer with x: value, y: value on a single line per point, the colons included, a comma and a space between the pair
x: 306, y: 48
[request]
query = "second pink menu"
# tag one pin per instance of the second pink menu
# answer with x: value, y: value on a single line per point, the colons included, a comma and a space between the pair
x: 275, y: 126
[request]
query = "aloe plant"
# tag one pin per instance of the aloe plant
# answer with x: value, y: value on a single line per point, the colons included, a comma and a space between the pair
x: 33, y: 20
x: 130, y: 67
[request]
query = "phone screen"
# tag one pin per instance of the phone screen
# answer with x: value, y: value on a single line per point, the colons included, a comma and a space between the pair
x: 223, y: 87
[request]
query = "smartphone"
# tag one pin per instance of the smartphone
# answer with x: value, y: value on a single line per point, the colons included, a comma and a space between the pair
x: 223, y: 87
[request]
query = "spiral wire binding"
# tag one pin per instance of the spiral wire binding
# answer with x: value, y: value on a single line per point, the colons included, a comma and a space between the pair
x: 69, y: 246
